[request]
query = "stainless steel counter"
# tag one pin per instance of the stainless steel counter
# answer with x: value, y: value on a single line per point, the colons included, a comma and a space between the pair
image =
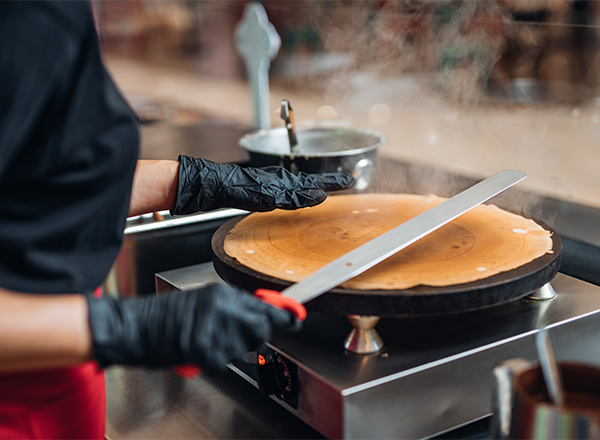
x: 156, y: 405
x: 144, y: 404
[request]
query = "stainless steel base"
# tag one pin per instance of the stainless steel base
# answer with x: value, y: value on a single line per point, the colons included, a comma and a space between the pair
x: 434, y: 374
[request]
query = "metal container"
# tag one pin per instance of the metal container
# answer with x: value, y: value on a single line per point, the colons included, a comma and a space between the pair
x: 523, y: 409
x: 319, y: 150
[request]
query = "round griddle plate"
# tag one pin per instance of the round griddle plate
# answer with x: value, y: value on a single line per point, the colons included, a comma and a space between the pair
x: 420, y: 300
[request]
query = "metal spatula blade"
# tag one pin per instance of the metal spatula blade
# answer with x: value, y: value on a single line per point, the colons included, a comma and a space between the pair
x: 378, y: 249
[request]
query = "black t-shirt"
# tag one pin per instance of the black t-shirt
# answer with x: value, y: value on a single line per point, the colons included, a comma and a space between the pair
x: 68, y: 148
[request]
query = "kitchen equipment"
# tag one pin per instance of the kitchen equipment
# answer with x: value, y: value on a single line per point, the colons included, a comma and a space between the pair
x: 421, y: 300
x: 362, y: 305
x: 319, y: 150
x: 378, y: 249
x: 524, y: 407
x: 434, y: 374
x: 375, y: 301
x: 363, y: 338
x: 152, y: 245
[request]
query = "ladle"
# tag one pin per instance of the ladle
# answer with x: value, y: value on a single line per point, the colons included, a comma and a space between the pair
x: 287, y: 114
x: 550, y: 369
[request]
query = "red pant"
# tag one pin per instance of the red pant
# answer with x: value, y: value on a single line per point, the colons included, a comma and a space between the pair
x: 61, y: 403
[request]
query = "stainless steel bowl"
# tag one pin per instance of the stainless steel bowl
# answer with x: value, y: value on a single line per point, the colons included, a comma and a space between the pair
x: 319, y: 150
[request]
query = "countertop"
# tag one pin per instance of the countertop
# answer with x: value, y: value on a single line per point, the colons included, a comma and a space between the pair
x: 149, y: 405
x: 144, y: 404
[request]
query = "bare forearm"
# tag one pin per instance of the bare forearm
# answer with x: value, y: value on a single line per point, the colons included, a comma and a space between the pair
x: 42, y: 331
x: 154, y: 186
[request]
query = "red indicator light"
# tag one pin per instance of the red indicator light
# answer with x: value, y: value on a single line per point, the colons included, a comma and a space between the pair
x: 261, y: 360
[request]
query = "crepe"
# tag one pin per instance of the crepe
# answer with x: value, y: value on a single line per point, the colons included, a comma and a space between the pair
x: 290, y: 245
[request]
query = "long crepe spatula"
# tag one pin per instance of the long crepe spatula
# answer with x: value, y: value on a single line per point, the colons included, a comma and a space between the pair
x: 378, y: 249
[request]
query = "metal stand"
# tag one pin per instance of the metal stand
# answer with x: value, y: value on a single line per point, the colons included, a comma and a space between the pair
x: 363, y: 339
x: 544, y: 293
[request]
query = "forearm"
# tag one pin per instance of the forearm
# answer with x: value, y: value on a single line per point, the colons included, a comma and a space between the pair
x: 154, y: 186
x: 42, y: 331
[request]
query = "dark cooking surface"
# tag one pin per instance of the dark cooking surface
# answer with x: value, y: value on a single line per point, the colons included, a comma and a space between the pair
x: 420, y: 300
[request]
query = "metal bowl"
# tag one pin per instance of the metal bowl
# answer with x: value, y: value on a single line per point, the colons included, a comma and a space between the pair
x: 319, y: 150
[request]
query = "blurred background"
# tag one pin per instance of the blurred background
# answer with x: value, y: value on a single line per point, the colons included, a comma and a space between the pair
x: 470, y: 87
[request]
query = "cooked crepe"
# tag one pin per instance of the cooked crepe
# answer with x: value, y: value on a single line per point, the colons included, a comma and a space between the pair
x: 290, y: 245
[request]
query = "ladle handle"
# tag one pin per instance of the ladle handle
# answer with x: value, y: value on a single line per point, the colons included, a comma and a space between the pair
x: 549, y: 367
x: 287, y: 114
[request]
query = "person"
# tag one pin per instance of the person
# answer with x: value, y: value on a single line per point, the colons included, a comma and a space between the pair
x: 69, y: 178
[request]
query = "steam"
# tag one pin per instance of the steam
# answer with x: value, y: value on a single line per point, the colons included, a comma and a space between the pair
x: 451, y: 46
x: 419, y: 72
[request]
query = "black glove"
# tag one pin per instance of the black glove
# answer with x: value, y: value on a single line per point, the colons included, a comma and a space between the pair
x: 209, y: 327
x: 205, y: 185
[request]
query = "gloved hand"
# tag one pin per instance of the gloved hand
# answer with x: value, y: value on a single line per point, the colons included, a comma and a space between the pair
x: 209, y: 327
x: 205, y: 185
